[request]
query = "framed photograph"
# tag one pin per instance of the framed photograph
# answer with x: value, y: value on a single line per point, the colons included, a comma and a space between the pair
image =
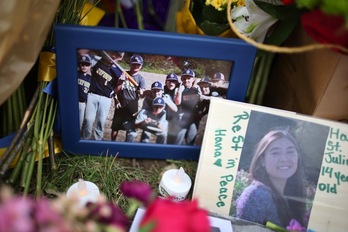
x: 143, y: 94
x: 266, y: 165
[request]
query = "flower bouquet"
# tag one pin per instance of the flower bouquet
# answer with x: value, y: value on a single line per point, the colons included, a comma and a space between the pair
x: 322, y: 20
x: 266, y: 24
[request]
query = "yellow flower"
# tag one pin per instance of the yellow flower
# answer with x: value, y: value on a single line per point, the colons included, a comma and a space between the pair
x: 217, y: 4
x: 222, y: 4
x: 239, y: 2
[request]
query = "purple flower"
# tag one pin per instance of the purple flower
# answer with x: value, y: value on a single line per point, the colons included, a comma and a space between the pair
x: 108, y: 214
x: 295, y: 226
x: 139, y: 190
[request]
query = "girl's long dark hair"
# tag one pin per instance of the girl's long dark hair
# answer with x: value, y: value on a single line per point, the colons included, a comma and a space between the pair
x: 292, y: 204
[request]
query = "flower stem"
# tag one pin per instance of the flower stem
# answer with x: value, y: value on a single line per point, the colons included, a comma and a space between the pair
x: 138, y: 12
x: 15, y: 151
x: 268, y: 59
x: 14, y: 141
x: 133, y: 205
x: 51, y: 153
x: 119, y: 15
x: 22, y: 157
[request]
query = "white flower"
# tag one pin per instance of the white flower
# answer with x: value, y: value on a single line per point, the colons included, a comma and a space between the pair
x: 251, y: 21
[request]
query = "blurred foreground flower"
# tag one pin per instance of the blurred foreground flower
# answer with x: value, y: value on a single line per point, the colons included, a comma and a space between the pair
x: 295, y: 226
x: 186, y: 216
x: 164, y: 214
x: 26, y: 214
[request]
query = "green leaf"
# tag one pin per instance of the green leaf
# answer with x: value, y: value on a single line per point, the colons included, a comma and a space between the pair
x: 281, y: 32
x: 280, y: 12
x: 212, y: 28
x: 196, y: 8
x: 211, y: 14
x: 309, y: 4
x: 337, y: 7
x: 147, y: 227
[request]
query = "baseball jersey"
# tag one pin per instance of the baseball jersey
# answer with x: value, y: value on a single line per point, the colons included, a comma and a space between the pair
x: 190, y: 98
x: 143, y: 114
x: 104, y: 79
x: 83, y: 80
x: 170, y: 113
x: 129, y: 92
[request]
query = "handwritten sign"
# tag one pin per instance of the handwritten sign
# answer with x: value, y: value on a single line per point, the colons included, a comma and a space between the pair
x: 221, y: 157
x: 221, y: 151
x: 330, y: 203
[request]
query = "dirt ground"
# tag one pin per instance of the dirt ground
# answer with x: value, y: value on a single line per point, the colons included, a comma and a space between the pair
x: 149, y: 79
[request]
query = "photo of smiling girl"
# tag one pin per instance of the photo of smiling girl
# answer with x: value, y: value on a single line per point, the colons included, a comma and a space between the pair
x: 276, y: 169
x: 280, y: 166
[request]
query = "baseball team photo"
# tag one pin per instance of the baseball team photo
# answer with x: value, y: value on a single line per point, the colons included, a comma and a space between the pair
x: 146, y: 98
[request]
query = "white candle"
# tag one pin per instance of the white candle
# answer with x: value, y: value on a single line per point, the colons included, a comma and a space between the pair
x: 84, y: 192
x: 175, y: 183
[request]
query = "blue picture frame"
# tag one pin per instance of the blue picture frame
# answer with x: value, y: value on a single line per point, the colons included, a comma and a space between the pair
x: 70, y: 38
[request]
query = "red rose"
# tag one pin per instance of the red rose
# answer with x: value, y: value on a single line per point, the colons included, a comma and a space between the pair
x: 288, y: 2
x: 326, y: 29
x: 167, y: 215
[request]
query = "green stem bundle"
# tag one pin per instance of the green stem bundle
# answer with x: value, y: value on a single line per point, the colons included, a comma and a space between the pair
x: 13, y: 111
x: 259, y: 77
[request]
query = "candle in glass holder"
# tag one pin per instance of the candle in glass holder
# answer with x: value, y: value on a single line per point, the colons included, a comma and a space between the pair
x: 175, y: 183
x: 84, y: 192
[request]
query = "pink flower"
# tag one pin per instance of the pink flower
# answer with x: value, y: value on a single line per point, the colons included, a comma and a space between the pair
x: 295, y: 226
x: 139, y: 190
x: 47, y: 218
x: 16, y: 215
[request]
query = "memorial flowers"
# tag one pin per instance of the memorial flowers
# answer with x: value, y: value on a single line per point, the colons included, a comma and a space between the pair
x: 26, y: 214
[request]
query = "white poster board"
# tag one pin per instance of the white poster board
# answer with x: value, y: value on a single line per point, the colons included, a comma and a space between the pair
x: 232, y: 133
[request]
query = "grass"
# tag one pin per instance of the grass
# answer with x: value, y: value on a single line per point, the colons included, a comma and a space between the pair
x: 106, y: 172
